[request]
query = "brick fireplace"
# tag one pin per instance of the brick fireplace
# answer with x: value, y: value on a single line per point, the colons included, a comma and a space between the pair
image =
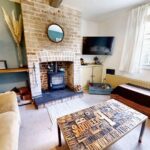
x: 38, y: 72
x: 37, y: 16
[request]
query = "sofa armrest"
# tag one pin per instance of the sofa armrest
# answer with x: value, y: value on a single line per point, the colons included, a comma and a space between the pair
x: 8, y: 102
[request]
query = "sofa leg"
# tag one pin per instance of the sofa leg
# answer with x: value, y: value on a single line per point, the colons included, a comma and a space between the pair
x: 36, y: 106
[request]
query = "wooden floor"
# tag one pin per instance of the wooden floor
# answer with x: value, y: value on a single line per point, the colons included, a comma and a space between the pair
x: 38, y: 133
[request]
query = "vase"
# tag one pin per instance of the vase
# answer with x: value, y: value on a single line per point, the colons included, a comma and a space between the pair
x: 19, y: 56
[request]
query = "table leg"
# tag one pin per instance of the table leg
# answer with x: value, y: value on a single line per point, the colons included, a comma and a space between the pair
x: 59, y: 136
x: 142, y: 131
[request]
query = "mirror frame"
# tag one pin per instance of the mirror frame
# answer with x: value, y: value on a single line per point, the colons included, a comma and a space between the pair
x: 61, y: 29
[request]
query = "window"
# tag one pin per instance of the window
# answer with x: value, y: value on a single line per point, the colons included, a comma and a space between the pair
x: 145, y: 61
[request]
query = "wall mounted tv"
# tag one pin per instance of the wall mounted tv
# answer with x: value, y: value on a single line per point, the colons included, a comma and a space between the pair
x: 97, y: 45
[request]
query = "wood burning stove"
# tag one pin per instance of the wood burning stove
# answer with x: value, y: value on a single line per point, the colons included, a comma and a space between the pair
x: 56, y: 78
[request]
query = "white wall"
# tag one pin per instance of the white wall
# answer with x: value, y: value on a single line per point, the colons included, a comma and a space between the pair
x: 90, y: 28
x: 116, y: 26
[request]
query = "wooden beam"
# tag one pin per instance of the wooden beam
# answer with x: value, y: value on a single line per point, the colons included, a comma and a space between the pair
x: 55, y: 3
x: 16, y: 1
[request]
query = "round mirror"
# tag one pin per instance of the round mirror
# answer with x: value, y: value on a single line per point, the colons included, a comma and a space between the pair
x: 55, y: 33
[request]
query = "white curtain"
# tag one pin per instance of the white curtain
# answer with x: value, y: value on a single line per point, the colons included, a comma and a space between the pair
x: 131, y: 56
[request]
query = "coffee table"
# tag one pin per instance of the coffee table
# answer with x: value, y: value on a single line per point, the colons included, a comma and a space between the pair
x: 99, y: 126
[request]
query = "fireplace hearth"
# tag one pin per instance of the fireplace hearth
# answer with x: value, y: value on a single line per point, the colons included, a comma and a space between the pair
x: 57, y: 82
x: 55, y: 95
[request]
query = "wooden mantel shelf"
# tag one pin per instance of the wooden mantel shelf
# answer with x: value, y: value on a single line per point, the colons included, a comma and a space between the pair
x: 13, y: 70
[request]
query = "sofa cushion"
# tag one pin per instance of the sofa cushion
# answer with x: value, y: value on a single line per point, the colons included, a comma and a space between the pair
x: 9, y: 131
x: 8, y: 102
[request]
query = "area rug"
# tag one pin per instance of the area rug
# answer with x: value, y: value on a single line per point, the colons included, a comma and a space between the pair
x: 71, y: 106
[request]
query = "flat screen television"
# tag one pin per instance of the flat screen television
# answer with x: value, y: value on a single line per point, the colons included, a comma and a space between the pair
x: 97, y: 45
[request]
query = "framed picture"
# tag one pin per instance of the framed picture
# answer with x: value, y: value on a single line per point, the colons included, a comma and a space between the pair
x: 3, y: 64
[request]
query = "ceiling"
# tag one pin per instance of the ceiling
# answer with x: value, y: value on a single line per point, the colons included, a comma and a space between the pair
x: 97, y: 9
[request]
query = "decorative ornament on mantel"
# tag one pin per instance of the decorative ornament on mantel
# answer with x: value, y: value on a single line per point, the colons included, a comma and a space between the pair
x: 55, y: 3
x: 15, y: 27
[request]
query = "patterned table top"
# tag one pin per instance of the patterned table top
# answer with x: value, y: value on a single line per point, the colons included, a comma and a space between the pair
x: 99, y: 126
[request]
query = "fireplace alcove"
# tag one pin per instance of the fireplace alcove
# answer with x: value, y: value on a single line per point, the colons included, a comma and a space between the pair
x: 56, y: 82
x: 51, y: 73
